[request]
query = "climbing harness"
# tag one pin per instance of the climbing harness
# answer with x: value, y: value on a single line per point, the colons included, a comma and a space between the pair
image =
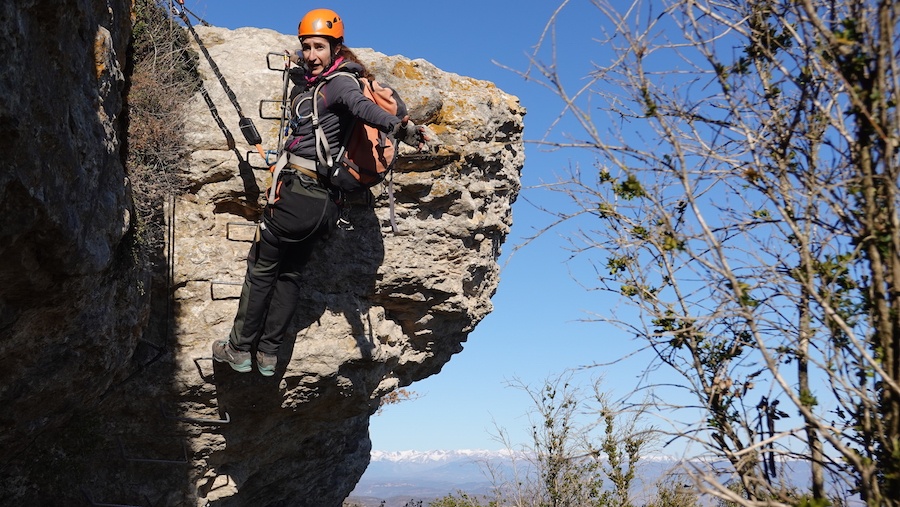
x: 251, y: 135
x: 290, y: 163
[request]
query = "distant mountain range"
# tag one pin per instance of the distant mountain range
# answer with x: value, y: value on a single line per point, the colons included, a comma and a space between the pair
x: 397, y: 478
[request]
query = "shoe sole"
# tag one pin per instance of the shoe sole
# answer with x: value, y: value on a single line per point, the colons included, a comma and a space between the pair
x: 240, y: 368
x: 266, y: 370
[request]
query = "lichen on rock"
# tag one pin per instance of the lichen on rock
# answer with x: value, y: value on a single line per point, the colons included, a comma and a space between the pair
x: 379, y: 311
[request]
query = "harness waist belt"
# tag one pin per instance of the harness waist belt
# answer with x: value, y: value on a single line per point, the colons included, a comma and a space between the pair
x: 303, y: 166
x: 302, y: 162
x: 302, y: 170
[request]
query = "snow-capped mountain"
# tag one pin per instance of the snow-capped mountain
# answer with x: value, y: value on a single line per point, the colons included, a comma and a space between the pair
x: 398, y: 477
x: 436, y: 456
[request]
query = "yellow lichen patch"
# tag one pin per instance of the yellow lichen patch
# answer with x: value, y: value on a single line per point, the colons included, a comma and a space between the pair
x: 456, y: 112
x: 439, y: 128
x: 440, y: 188
x: 448, y: 113
x: 464, y: 84
x: 100, y: 50
x: 212, y: 39
x: 408, y: 70
x: 468, y: 83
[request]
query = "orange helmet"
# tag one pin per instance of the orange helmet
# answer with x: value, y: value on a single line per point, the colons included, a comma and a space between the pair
x: 321, y: 22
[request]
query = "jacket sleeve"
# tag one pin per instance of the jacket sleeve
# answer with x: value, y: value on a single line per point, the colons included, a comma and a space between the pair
x: 344, y: 91
x: 402, y: 110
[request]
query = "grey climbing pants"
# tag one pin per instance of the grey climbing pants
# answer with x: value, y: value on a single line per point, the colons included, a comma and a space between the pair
x: 271, y: 287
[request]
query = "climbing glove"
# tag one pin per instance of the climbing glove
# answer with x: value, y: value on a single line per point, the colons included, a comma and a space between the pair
x: 410, y: 133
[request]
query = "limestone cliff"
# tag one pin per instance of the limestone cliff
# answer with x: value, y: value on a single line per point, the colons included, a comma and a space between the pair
x: 380, y: 310
x: 71, y: 298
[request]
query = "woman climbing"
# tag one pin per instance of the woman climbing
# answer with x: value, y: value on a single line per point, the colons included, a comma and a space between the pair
x: 302, y: 205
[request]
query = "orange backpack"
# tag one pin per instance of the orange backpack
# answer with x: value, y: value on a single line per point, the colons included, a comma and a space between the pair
x: 367, y: 154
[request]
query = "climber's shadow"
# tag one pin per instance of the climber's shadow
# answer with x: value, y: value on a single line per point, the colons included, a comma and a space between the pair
x: 338, y: 276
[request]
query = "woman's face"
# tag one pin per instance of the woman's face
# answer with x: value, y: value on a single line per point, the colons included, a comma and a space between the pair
x: 317, y: 53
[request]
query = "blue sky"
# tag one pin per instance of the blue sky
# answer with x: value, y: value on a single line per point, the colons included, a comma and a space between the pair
x: 536, y: 329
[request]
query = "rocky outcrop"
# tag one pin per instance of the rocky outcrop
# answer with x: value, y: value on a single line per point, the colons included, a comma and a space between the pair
x: 71, y: 297
x: 380, y: 310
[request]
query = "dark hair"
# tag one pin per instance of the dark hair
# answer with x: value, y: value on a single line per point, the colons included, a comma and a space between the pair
x: 350, y: 56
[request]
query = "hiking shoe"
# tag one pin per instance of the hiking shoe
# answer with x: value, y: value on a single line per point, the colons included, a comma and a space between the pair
x: 224, y: 352
x: 265, y: 363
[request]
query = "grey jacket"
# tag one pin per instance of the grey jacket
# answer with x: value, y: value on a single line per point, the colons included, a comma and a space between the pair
x: 340, y: 101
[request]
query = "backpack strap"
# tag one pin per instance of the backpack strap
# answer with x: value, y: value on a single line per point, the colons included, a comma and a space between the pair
x: 394, y: 228
x: 323, y: 148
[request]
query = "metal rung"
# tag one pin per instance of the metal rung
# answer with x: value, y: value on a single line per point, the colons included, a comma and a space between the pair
x: 281, y: 109
x: 278, y: 54
x: 216, y: 296
x: 206, y: 378
x: 158, y: 349
x: 267, y: 161
x: 154, y: 460
x: 229, y: 225
x: 194, y: 420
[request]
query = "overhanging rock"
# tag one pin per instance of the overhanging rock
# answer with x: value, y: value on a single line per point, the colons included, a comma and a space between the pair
x: 379, y: 310
x: 106, y: 417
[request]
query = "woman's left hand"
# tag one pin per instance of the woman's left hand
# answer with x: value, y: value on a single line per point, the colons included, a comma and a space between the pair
x: 294, y: 56
x: 411, y: 134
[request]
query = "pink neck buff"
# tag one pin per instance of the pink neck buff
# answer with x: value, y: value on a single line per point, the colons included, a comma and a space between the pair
x: 337, y: 62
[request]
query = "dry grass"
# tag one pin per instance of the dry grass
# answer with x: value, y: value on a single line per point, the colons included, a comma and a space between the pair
x: 163, y: 76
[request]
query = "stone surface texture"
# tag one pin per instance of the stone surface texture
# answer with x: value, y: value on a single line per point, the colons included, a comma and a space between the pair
x: 380, y: 310
x: 72, y: 300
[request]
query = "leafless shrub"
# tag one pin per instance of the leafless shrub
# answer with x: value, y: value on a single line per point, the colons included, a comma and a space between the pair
x: 162, y: 78
x: 744, y: 201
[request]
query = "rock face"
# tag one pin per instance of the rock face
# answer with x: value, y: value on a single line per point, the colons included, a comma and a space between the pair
x: 379, y: 310
x: 70, y: 297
